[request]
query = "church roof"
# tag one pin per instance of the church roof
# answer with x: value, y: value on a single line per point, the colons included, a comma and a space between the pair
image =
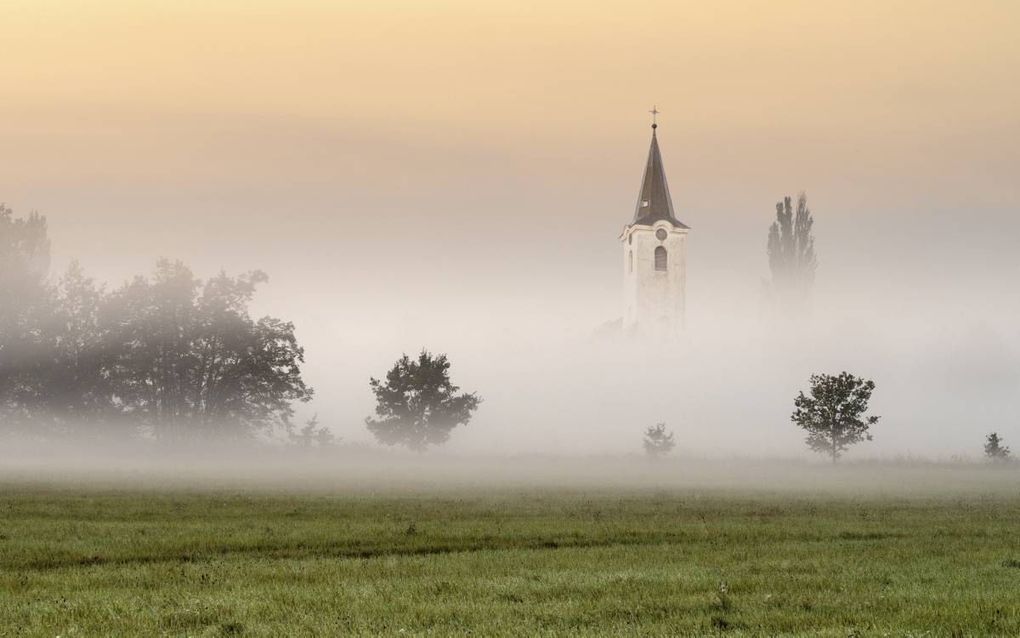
x: 654, y: 203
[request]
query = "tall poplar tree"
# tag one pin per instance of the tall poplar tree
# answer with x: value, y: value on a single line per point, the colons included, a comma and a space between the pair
x: 791, y: 252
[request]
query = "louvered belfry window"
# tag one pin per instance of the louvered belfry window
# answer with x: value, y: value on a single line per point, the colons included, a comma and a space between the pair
x: 660, y: 259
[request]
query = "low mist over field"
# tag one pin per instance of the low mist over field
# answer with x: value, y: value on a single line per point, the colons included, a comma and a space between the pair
x: 942, y: 347
x: 944, y: 378
x: 369, y: 474
x: 391, y: 217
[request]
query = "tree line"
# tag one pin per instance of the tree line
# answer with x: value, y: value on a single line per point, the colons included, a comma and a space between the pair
x: 167, y: 354
x: 174, y: 357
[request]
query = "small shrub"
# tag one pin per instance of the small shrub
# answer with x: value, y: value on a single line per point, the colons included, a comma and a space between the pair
x: 995, y: 451
x: 658, y: 442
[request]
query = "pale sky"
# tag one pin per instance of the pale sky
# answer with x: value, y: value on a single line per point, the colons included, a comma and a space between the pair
x: 407, y: 171
x: 148, y: 116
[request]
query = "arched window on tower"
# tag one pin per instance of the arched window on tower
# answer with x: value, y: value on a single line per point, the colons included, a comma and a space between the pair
x: 630, y: 262
x: 660, y: 259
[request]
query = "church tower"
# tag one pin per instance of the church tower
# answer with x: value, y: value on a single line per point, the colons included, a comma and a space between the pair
x: 654, y: 258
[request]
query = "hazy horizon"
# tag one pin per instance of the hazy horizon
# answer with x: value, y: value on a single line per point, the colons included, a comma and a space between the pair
x: 455, y: 177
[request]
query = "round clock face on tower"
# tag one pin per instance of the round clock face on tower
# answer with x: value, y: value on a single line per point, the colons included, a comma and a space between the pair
x: 660, y: 234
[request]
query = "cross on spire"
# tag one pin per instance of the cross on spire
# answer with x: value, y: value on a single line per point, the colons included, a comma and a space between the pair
x: 655, y: 111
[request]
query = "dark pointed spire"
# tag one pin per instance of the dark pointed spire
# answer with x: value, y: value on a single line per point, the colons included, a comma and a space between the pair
x: 654, y: 203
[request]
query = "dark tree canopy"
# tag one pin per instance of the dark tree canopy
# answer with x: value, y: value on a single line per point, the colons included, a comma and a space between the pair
x: 27, y: 315
x: 187, y: 357
x: 417, y: 405
x: 834, y: 413
x: 658, y: 442
x: 79, y: 387
x: 995, y: 450
x: 169, y: 354
x: 24, y: 251
x: 791, y: 251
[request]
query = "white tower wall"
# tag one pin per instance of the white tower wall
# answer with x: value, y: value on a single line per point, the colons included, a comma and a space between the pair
x: 654, y: 300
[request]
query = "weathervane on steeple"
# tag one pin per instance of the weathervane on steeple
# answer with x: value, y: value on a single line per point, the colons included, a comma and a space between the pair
x: 654, y: 113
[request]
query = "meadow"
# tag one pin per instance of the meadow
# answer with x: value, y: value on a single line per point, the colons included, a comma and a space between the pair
x: 646, y: 555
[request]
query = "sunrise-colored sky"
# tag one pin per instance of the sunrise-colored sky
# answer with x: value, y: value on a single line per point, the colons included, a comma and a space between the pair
x: 190, y: 96
x: 420, y: 172
x: 139, y: 87
x: 300, y: 136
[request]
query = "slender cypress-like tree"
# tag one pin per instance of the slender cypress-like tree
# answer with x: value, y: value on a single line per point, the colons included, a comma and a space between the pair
x: 791, y: 252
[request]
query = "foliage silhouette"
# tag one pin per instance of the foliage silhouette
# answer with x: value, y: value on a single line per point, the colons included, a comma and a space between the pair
x: 417, y: 405
x: 658, y: 442
x: 834, y: 413
x: 995, y: 450
x: 791, y: 252
x: 168, y: 355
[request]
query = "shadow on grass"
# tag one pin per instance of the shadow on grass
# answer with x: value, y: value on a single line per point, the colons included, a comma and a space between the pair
x: 342, y: 551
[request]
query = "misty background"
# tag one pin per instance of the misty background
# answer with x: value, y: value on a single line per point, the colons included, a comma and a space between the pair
x: 456, y: 176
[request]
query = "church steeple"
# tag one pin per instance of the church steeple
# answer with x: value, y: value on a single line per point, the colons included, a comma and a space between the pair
x: 654, y: 257
x: 654, y: 203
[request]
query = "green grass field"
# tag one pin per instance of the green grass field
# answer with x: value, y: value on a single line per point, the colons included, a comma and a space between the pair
x: 521, y: 560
